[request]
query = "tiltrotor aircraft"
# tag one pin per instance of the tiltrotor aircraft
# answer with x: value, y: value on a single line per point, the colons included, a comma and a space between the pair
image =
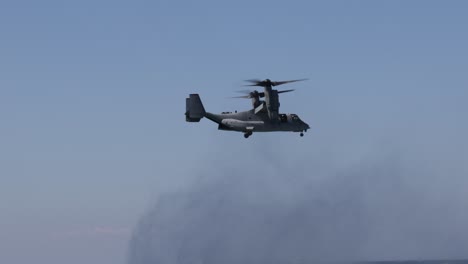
x: 263, y: 117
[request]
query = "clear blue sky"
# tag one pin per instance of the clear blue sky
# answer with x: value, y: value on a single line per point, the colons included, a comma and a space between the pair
x: 92, y: 96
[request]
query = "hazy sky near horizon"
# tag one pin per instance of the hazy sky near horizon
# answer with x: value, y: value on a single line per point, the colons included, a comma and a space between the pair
x: 92, y: 97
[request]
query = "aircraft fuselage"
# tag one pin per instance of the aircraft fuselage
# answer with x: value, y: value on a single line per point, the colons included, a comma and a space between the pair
x: 248, y: 121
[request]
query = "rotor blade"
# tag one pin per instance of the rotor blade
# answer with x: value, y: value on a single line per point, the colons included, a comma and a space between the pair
x: 245, y: 91
x: 244, y: 96
x: 284, y: 82
x: 251, y: 95
x: 286, y: 91
x: 256, y: 84
x: 254, y: 80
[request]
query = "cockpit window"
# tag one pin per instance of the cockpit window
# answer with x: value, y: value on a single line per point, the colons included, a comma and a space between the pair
x: 283, y: 118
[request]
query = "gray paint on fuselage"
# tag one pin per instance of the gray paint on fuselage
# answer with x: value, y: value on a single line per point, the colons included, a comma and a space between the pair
x: 248, y: 121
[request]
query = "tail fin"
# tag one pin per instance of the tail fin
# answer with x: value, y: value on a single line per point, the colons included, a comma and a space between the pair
x: 194, y: 110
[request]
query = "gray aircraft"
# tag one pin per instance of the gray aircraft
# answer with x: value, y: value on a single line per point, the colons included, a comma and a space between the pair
x: 263, y: 117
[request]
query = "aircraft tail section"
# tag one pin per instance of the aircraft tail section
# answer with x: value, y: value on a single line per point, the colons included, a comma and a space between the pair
x: 194, y: 110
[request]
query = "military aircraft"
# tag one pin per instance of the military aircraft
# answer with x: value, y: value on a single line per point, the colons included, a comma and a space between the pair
x: 263, y: 117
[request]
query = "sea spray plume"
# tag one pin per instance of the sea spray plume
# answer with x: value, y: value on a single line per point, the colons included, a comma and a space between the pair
x: 387, y: 207
x: 253, y: 218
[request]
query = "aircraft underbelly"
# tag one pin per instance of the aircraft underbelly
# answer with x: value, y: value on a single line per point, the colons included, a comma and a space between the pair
x: 279, y: 127
x: 239, y: 125
x: 256, y: 126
